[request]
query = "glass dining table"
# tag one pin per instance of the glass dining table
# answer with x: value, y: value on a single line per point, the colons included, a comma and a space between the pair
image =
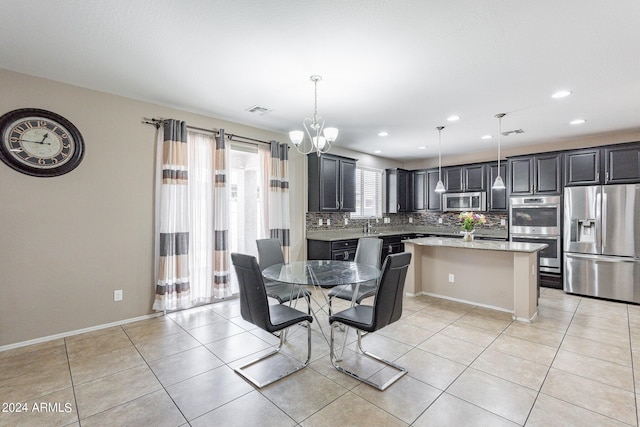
x: 322, y: 274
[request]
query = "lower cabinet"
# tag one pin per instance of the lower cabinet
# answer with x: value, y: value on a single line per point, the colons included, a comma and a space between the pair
x: 339, y: 250
x: 393, y: 245
x: 345, y: 250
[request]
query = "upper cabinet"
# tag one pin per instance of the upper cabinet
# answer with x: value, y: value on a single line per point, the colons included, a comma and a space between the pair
x: 465, y: 178
x: 622, y: 164
x: 399, y: 190
x: 537, y: 174
x: 582, y: 167
x: 419, y: 187
x: 614, y: 164
x: 332, y: 183
x: 497, y: 199
x: 434, y: 199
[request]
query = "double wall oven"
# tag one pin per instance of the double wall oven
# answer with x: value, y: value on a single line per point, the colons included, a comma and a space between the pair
x: 538, y: 219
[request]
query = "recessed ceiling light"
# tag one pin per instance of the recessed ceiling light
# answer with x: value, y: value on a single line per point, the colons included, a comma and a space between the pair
x: 383, y: 133
x: 453, y: 118
x: 378, y: 151
x: 487, y: 137
x: 577, y: 122
x: 561, y: 94
x: 423, y: 147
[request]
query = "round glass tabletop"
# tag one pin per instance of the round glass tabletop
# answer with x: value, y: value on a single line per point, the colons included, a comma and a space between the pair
x: 324, y: 273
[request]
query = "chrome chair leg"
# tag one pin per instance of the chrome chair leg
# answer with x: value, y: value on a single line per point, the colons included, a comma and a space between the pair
x: 241, y: 369
x: 381, y: 387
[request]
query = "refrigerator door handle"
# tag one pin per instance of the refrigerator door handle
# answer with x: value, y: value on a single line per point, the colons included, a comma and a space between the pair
x: 604, y: 221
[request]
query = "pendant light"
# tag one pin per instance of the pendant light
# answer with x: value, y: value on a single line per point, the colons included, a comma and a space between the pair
x: 498, y: 183
x: 440, y: 186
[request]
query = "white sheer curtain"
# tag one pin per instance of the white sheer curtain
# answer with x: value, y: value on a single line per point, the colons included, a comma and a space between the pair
x: 192, y: 204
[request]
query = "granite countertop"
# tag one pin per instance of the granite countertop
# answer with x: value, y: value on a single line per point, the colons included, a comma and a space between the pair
x: 353, y: 233
x: 477, y: 244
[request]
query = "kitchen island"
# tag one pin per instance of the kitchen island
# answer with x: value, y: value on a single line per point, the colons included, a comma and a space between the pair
x: 498, y: 275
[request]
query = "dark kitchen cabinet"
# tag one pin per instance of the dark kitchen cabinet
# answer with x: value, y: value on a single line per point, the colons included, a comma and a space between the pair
x: 332, y: 183
x: 340, y: 250
x: 537, y: 174
x: 434, y: 199
x: 497, y: 199
x: 452, y: 177
x: 464, y: 178
x: 399, y: 190
x: 393, y: 245
x: 419, y: 187
x: 613, y: 164
x: 583, y: 167
x: 622, y: 164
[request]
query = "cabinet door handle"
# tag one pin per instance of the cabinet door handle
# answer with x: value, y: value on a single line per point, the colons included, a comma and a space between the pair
x: 346, y: 255
x: 597, y: 176
x: 606, y: 177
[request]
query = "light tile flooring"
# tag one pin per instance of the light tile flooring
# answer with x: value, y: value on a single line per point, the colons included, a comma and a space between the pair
x: 574, y: 366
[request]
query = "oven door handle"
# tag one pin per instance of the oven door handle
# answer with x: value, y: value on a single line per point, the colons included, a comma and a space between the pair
x: 535, y: 206
x: 547, y: 237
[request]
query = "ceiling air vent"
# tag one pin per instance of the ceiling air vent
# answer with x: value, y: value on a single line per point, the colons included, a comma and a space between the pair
x: 259, y: 110
x: 511, y: 132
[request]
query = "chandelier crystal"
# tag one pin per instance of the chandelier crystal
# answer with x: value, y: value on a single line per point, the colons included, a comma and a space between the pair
x: 319, y: 137
x: 498, y: 184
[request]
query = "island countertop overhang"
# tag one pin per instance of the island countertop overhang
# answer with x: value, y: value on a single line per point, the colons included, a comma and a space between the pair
x: 477, y: 244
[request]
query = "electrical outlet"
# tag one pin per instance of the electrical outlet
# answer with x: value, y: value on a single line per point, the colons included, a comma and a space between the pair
x: 320, y: 221
x: 451, y: 278
x: 410, y: 220
x: 117, y: 295
x: 503, y: 221
x: 439, y: 220
x: 346, y: 221
x: 328, y: 221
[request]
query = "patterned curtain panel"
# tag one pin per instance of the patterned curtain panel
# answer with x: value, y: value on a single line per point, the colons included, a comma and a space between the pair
x: 279, y: 220
x: 172, y: 219
x: 221, y: 274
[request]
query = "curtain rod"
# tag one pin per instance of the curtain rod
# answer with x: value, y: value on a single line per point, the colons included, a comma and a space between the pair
x: 231, y: 136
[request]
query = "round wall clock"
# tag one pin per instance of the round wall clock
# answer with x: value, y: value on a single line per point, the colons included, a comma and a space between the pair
x: 39, y: 142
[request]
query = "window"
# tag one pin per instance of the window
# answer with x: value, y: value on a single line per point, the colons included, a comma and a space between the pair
x: 368, y: 193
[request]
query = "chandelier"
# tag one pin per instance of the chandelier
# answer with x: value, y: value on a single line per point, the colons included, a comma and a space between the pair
x: 320, y: 138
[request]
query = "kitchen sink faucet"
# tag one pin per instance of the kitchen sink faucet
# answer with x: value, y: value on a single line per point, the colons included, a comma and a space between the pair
x: 369, y: 226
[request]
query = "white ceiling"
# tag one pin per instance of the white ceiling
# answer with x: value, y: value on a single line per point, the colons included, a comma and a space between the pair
x: 402, y: 66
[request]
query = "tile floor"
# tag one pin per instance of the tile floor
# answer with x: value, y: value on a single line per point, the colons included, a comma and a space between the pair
x: 574, y: 366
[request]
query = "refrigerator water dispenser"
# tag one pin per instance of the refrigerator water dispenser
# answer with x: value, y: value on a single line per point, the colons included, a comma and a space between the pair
x: 583, y: 230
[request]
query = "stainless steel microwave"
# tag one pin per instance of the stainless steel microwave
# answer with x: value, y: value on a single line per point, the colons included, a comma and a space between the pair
x: 463, y: 202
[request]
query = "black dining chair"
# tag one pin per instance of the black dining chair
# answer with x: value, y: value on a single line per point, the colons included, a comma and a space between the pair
x: 368, y: 251
x: 270, y: 253
x: 255, y: 309
x: 386, y: 309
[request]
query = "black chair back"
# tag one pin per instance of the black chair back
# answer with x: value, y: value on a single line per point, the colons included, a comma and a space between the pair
x: 369, y: 251
x: 387, y: 306
x: 269, y: 253
x: 254, y: 306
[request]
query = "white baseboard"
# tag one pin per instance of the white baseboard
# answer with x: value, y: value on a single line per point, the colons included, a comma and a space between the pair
x: 504, y: 310
x: 77, y: 332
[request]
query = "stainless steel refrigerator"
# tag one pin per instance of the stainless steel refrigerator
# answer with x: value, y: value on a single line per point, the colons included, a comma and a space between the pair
x: 602, y: 241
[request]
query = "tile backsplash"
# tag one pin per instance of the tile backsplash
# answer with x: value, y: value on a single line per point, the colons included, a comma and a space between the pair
x: 401, y: 220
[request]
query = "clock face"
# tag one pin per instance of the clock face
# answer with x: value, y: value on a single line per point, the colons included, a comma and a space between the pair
x: 40, y: 143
